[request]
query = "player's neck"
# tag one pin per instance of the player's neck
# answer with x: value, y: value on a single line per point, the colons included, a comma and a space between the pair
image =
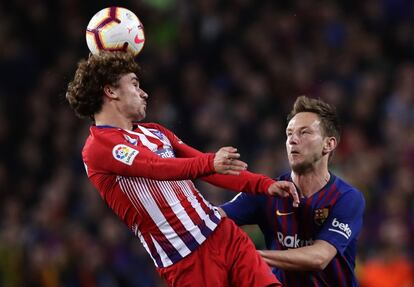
x: 112, y: 119
x: 311, y: 182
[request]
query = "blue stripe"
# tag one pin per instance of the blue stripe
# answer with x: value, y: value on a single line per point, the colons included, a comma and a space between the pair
x: 157, y: 259
x: 204, y: 229
x: 170, y: 250
x: 105, y: 126
x: 174, y: 256
x: 189, y: 240
x: 213, y: 217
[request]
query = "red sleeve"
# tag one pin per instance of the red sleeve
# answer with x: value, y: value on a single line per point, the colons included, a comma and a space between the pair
x: 245, y: 182
x: 109, y: 153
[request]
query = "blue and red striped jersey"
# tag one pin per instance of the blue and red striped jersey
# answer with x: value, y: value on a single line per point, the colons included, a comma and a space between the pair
x: 333, y: 214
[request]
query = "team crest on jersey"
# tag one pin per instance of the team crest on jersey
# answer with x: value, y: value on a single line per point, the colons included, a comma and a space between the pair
x: 131, y: 140
x: 124, y: 154
x: 321, y: 214
x: 159, y: 134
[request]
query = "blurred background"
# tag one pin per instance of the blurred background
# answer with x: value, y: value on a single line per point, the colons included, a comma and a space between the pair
x: 217, y: 73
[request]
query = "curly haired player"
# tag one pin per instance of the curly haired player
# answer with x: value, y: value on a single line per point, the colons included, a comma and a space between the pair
x: 144, y: 172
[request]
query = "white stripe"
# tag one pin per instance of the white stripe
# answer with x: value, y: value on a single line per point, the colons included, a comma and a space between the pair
x: 144, y: 243
x: 145, y: 141
x: 146, y: 132
x: 164, y: 257
x: 179, y: 210
x: 127, y: 189
x: 237, y: 195
x: 340, y: 232
x: 137, y: 191
x: 165, y: 141
x: 158, y: 217
x: 197, y: 205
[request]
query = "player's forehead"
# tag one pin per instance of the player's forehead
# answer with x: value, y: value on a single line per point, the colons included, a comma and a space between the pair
x: 303, y: 120
x: 129, y: 77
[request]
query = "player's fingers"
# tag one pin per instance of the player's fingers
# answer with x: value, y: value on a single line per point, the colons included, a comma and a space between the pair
x: 290, y: 190
x: 293, y: 191
x: 226, y: 151
x: 235, y: 168
x: 229, y: 149
x: 233, y: 155
x: 235, y: 163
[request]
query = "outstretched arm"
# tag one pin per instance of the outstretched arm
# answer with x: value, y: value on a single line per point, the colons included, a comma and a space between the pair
x: 244, y: 181
x: 116, y: 156
x: 312, y: 258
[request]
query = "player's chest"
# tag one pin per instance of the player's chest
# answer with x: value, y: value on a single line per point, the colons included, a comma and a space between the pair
x: 151, y: 139
x: 307, y: 219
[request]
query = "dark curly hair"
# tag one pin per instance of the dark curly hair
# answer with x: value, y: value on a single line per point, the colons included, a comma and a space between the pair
x: 85, y: 91
x: 326, y: 113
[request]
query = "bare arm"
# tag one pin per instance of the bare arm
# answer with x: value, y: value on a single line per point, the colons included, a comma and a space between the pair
x: 313, y: 258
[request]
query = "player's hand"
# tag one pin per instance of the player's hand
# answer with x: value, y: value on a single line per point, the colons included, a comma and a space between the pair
x: 226, y: 161
x: 284, y: 189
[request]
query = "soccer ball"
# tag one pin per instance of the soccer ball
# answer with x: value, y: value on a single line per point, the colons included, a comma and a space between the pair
x: 115, y: 29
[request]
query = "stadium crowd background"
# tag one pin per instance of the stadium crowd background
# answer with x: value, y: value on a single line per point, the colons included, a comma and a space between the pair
x: 218, y: 73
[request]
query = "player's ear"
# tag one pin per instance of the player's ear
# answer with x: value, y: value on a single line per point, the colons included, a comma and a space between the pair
x: 109, y: 92
x: 329, y: 145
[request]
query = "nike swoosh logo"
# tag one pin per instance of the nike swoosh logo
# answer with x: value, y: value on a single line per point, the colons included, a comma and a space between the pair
x: 278, y: 213
x: 138, y: 40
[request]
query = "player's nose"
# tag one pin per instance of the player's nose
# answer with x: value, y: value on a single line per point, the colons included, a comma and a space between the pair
x: 293, y: 139
x: 143, y: 94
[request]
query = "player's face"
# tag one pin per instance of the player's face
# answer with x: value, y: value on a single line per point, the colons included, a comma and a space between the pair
x: 305, y: 141
x: 132, y: 99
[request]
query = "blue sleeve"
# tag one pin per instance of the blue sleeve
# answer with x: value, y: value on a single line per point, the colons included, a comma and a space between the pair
x: 245, y: 208
x: 344, y: 221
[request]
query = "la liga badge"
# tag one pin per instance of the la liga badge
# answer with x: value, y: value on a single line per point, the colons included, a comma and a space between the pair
x: 124, y: 154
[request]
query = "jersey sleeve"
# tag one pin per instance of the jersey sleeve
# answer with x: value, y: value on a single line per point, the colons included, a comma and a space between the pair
x: 244, y: 182
x: 344, y: 221
x: 245, y: 208
x: 112, y: 154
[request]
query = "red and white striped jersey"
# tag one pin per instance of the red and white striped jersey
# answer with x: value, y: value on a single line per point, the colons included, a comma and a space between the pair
x: 144, y: 175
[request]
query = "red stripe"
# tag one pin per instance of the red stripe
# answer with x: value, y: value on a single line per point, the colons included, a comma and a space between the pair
x: 277, y: 226
x: 307, y: 212
x: 314, y: 281
x: 333, y: 201
x: 340, y: 273
x: 152, y: 248
x: 145, y: 219
x: 192, y: 213
x: 150, y: 226
x: 197, y: 195
x: 285, y: 222
x: 324, y: 200
x: 173, y: 220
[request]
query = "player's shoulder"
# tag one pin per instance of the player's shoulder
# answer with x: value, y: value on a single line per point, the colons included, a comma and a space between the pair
x: 284, y: 176
x: 100, y: 137
x: 154, y: 126
x: 98, y: 134
x: 349, y: 191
